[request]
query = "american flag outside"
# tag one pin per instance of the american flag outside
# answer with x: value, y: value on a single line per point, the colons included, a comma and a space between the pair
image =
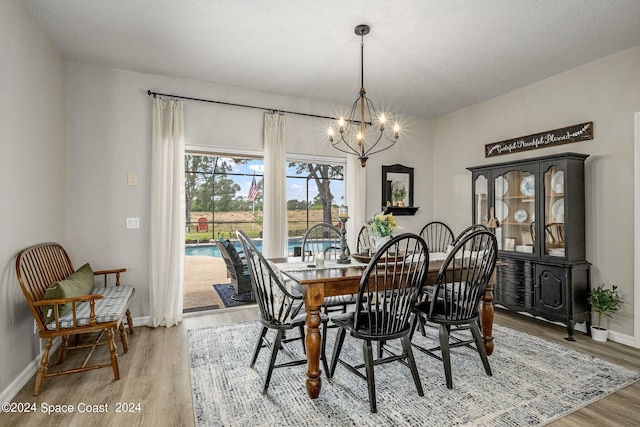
x: 253, y: 191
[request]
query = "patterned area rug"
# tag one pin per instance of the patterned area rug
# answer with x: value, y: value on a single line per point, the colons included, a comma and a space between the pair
x: 227, y: 293
x: 534, y: 382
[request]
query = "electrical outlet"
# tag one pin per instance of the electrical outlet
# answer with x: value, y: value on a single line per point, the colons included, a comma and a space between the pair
x: 35, y: 327
x: 132, y: 179
x: 133, y: 222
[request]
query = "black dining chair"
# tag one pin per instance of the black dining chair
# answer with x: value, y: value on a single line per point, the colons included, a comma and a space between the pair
x: 363, y: 243
x: 279, y: 309
x: 438, y: 236
x: 470, y: 229
x: 454, y: 303
x: 389, y: 289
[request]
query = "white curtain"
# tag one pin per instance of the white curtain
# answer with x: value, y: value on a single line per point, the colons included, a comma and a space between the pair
x: 275, y: 235
x: 356, y: 191
x: 167, y: 222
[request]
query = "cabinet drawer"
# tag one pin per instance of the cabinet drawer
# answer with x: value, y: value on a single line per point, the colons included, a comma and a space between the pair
x: 512, y: 266
x: 507, y: 276
x: 512, y: 299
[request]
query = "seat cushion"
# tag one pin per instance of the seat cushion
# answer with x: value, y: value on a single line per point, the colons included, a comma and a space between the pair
x: 78, y: 283
x: 112, y: 306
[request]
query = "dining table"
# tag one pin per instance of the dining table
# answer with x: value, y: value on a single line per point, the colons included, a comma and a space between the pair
x: 334, y: 279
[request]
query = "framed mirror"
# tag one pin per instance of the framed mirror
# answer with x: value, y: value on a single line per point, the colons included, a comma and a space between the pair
x: 397, y: 187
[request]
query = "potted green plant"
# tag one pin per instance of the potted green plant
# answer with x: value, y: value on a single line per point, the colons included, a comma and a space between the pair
x: 399, y: 193
x: 605, y: 302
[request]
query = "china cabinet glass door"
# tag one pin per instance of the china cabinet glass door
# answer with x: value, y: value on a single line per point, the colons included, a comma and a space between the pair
x: 481, y: 200
x: 554, y: 212
x: 515, y: 209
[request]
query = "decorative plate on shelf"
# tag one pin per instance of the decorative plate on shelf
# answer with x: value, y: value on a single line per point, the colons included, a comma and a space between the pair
x: 557, y: 182
x: 501, y: 211
x: 528, y: 186
x: 520, y: 215
x: 501, y: 185
x: 557, y: 211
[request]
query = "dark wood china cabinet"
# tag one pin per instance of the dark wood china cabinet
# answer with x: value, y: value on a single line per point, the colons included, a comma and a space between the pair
x: 539, y: 205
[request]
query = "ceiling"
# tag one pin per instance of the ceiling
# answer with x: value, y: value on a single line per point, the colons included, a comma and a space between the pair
x: 423, y: 57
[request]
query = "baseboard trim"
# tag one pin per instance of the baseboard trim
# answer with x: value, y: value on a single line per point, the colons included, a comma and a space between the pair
x: 30, y: 370
x: 627, y: 340
x: 16, y: 385
x: 27, y: 373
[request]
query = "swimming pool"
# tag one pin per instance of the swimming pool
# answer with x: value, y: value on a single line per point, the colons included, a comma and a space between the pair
x: 212, y: 249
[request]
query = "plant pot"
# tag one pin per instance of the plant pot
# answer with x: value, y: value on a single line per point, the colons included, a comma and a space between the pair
x: 599, y: 334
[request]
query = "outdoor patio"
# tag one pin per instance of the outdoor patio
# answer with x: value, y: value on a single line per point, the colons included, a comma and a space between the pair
x: 200, y: 274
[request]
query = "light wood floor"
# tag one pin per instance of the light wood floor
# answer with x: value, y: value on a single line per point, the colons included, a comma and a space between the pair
x: 155, y: 375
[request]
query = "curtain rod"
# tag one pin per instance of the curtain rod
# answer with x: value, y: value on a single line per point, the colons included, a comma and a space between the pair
x: 155, y: 94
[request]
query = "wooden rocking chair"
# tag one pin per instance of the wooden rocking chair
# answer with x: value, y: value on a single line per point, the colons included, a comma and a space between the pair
x: 82, y: 309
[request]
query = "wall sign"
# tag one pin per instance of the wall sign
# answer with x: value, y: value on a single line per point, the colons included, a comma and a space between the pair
x: 575, y: 133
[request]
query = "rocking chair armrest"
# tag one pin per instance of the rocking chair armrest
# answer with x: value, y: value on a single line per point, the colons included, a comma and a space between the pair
x: 91, y: 316
x: 57, y: 301
x: 106, y: 274
x: 116, y: 271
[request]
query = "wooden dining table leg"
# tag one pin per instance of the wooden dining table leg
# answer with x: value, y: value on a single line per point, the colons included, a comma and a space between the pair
x: 313, y: 299
x: 487, y: 315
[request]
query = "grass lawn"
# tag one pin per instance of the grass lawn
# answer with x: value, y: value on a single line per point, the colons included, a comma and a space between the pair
x: 226, y: 223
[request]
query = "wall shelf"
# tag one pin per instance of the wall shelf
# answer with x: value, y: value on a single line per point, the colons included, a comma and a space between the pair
x: 396, y: 210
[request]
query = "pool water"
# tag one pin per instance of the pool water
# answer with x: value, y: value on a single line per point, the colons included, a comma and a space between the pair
x: 212, y: 249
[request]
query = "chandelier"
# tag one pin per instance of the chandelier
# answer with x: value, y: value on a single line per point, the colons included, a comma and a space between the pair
x: 352, y: 138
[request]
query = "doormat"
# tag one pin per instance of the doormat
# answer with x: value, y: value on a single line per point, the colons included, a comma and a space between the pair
x: 226, y: 293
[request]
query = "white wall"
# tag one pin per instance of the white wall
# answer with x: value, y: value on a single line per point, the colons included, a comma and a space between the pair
x: 110, y: 135
x: 607, y: 92
x: 33, y: 163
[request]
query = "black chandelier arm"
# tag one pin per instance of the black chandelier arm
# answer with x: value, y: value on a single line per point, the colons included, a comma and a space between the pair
x: 370, y: 151
x: 336, y: 145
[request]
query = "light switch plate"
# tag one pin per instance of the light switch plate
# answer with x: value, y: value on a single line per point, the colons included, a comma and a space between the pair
x: 133, y: 222
x: 132, y: 179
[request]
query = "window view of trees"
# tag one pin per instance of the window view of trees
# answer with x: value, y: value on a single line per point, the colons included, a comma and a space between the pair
x: 218, y: 202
